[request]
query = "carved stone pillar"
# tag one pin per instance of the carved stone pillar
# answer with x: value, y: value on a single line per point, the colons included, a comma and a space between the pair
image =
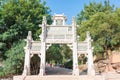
x: 75, y: 59
x: 75, y: 56
x: 26, y: 70
x: 43, y: 57
x: 91, y: 70
x: 43, y: 47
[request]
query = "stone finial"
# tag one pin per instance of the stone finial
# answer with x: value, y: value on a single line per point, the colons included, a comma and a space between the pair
x: 44, y: 19
x: 73, y: 19
x: 43, y: 34
x: 88, y: 34
x: 74, y: 29
x: 78, y: 37
x: 29, y: 37
x: 88, y: 37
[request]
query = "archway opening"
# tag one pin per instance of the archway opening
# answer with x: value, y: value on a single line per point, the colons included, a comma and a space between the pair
x: 82, y: 61
x: 35, y: 65
x: 59, y: 60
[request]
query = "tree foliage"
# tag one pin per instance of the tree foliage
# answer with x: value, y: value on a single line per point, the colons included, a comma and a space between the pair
x: 54, y: 54
x: 17, y: 17
x: 14, y: 62
x: 58, y: 54
x: 104, y: 25
x: 92, y: 8
x: 66, y: 53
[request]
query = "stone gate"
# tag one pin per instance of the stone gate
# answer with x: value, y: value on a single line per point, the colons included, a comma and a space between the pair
x: 59, y: 33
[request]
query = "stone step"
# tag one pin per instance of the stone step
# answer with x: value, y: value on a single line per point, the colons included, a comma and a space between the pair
x: 58, y: 77
x: 112, y: 76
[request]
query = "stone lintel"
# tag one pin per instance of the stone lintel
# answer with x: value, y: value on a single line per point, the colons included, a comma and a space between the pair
x: 61, y: 41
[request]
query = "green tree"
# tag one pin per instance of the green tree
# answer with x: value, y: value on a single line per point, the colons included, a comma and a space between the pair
x: 14, y: 62
x: 66, y: 53
x: 17, y: 17
x: 104, y: 28
x: 54, y: 54
x: 92, y: 8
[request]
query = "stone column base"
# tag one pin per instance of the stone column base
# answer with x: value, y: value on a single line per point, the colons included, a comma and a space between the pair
x: 75, y: 72
x: 42, y: 72
x: 91, y: 73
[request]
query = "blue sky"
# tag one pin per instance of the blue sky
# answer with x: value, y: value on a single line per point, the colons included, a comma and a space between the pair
x: 72, y: 7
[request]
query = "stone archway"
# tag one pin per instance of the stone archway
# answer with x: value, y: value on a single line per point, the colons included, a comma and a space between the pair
x: 58, y: 62
x: 58, y: 34
x: 53, y: 54
x: 82, y: 61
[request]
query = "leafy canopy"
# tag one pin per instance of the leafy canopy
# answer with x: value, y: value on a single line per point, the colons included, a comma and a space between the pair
x: 103, y: 23
x: 17, y: 17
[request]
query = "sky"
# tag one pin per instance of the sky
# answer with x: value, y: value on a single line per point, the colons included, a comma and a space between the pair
x: 71, y: 8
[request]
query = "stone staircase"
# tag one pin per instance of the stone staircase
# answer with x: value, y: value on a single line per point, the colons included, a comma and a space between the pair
x: 58, y: 77
x: 112, y: 76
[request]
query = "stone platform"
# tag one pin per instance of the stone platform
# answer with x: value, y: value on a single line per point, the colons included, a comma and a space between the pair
x: 112, y: 76
x: 58, y: 77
